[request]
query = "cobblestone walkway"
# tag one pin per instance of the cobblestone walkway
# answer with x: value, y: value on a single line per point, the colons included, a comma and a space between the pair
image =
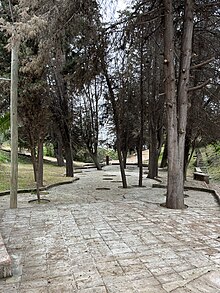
x: 94, y: 237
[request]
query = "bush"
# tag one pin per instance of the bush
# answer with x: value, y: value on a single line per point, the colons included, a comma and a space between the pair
x: 4, y: 157
x: 102, y: 153
x: 48, y: 150
x: 216, y: 147
x: 82, y: 156
x: 211, y: 157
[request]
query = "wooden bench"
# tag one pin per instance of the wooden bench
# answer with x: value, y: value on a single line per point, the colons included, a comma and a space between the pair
x: 200, y: 175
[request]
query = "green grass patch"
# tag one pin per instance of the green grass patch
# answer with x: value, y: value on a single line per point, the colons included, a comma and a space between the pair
x: 4, y: 157
x: 211, y: 157
x: 52, y: 173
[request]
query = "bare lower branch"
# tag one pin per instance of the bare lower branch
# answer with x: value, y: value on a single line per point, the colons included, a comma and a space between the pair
x: 198, y: 87
x: 199, y: 6
x: 202, y: 63
x: 3, y: 78
x: 213, y: 94
x: 151, y: 14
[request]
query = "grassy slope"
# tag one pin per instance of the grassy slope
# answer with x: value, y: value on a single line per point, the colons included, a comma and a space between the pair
x: 52, y: 173
x: 211, y: 159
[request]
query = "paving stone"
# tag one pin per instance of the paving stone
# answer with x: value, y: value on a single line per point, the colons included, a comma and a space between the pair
x: 158, y: 271
x: 100, y: 289
x: 34, y: 283
x: 166, y: 278
x: 8, y: 289
x: 205, y: 283
x: 109, y: 268
x: 151, y: 289
x: 5, y: 261
x: 30, y: 273
x: 84, y: 243
x: 181, y: 290
x: 34, y: 290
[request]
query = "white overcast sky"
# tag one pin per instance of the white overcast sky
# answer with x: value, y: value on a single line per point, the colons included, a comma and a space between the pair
x: 109, y: 11
x: 121, y: 5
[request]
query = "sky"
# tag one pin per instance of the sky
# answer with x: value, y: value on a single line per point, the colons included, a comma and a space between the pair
x: 121, y: 5
x: 109, y: 11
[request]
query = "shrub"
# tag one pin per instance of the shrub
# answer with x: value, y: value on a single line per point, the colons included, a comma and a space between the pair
x: 4, y: 157
x: 48, y: 150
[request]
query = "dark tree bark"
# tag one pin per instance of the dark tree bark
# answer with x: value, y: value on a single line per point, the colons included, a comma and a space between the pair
x: 95, y: 159
x: 58, y: 149
x: 155, y: 106
x: 163, y: 163
x: 124, y: 156
x: 186, y: 155
x: 68, y: 154
x: 177, y: 101
x: 61, y: 110
x: 140, y: 161
x: 14, y: 121
x: 116, y: 114
x: 153, y: 153
x: 34, y: 162
x: 89, y: 118
x: 121, y: 162
x: 40, y: 160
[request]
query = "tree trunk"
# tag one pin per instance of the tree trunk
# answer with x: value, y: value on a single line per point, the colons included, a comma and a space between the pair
x: 35, y: 167
x: 34, y: 162
x: 38, y: 182
x: 59, y: 152
x: 121, y: 163
x: 95, y: 160
x: 139, y: 161
x: 66, y: 139
x: 116, y: 122
x: 69, y: 159
x: 38, y: 186
x: 140, y: 164
x: 177, y: 103
x: 14, y: 123
x: 140, y: 181
x: 124, y: 156
x: 63, y: 115
x: 163, y: 163
x: 40, y: 161
x: 153, y: 154
x: 174, y: 189
x: 186, y: 155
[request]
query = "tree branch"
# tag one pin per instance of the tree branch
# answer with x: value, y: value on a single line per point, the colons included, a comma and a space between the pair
x: 200, y: 6
x: 6, y: 79
x: 198, y: 87
x: 202, y: 63
x: 3, y: 78
x: 154, y: 13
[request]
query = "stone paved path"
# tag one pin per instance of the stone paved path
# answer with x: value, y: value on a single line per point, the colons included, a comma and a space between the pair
x: 96, y: 241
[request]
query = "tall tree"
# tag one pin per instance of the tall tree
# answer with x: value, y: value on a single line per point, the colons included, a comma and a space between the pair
x: 87, y: 117
x: 177, y: 99
x: 69, y: 25
x: 117, y: 112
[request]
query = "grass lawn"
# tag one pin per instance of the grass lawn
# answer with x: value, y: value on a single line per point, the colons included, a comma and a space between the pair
x: 211, y: 163
x: 52, y: 173
x: 211, y: 159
